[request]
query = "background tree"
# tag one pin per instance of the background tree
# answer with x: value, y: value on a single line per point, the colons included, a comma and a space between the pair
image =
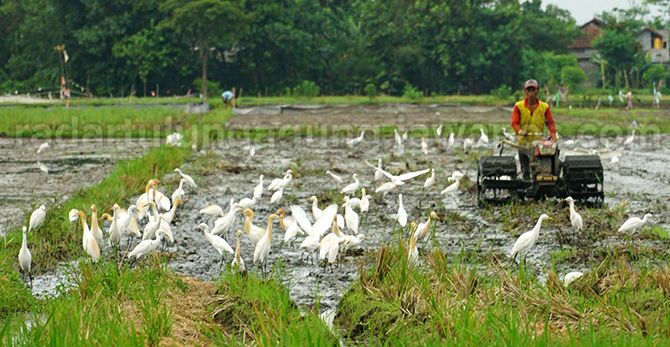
x: 206, y: 25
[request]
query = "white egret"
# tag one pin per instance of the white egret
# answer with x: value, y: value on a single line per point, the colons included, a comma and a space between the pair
x: 634, y: 223
x: 252, y: 151
x: 452, y: 188
x: 254, y: 233
x: 238, y: 261
x: 456, y: 175
x: 614, y: 161
x: 483, y: 138
x: 350, y: 216
x: 402, y: 214
x: 154, y: 223
x: 351, y: 242
x: 168, y: 216
x: 113, y: 231
x: 527, y: 240
x: 289, y: 225
x: 467, y: 142
x: 412, y: 250
x: 88, y: 242
x: 145, y: 247
x: 37, y: 218
x: 355, y: 141
x: 224, y: 223
x: 430, y: 181
x: 424, y: 146
x: 399, y: 179
x: 452, y: 140
x: 179, y: 192
x: 423, y: 228
x: 188, y: 178
x: 301, y: 218
x: 337, y: 178
x: 281, y: 183
x: 212, y: 210
x: 316, y: 211
x: 25, y: 258
x: 262, y: 250
x: 398, y: 139
x: 321, y: 226
x: 438, y: 132
x: 405, y: 135
x: 310, y: 245
x: 630, y: 139
x: 352, y: 187
x: 95, y: 227
x: 258, y: 190
x: 571, y: 277
x: 385, y: 188
x: 329, y: 246
x: 248, y: 203
x: 276, y: 196
x: 127, y: 221
x: 43, y: 147
x: 365, y: 201
x: 217, y: 242
x: 575, y: 218
x: 43, y: 167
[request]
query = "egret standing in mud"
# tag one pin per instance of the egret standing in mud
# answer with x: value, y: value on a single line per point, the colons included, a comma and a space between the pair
x: 25, y: 258
x: 217, y: 242
x: 527, y: 240
x: 402, y: 214
x: 238, y: 261
x: 262, y: 250
x: 188, y: 178
x: 634, y: 223
x: 352, y: 187
x: 337, y: 178
x: 575, y: 218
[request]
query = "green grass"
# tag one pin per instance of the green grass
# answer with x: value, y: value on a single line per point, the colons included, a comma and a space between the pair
x: 58, y: 239
x: 98, y: 311
x: 448, y: 302
x: 260, y: 312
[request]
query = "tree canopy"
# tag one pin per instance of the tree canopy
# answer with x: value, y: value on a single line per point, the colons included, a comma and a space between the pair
x: 123, y: 47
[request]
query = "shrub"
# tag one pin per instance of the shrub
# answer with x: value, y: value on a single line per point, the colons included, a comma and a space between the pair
x: 370, y: 90
x: 410, y: 92
x: 306, y: 88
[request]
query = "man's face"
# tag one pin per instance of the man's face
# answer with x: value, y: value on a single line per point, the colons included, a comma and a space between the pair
x: 530, y: 92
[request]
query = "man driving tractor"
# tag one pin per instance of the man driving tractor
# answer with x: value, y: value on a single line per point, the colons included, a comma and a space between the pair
x: 529, y: 118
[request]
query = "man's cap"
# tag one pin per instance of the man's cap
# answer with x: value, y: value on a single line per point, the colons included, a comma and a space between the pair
x: 531, y: 83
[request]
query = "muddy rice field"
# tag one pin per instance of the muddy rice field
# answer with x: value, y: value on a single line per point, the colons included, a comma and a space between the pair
x: 226, y: 170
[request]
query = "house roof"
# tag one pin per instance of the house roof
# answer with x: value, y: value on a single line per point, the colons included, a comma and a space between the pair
x: 590, y: 30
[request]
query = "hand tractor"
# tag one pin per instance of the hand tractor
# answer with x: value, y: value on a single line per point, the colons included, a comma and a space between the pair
x: 578, y: 176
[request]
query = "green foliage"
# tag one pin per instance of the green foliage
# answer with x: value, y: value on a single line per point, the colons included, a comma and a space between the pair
x: 655, y: 73
x: 370, y: 90
x: 250, y: 309
x: 97, y: 311
x: 214, y: 88
x: 503, y: 92
x: 448, y: 302
x: 572, y: 76
x: 411, y: 92
x: 307, y: 89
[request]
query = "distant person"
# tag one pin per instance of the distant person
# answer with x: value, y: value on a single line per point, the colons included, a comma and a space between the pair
x: 66, y: 95
x: 657, y: 98
x: 529, y: 118
x: 629, y: 100
x: 229, y: 98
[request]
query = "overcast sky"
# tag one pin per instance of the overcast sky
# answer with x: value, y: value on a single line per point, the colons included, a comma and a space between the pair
x: 584, y: 10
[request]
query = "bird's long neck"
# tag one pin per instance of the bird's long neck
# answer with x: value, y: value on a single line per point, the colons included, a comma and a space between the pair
x: 336, y: 229
x: 94, y: 220
x: 268, y: 231
x: 247, y: 223
x: 572, y: 207
x: 237, y: 247
x: 281, y: 222
x: 24, y: 241
x: 84, y: 225
x: 536, y: 229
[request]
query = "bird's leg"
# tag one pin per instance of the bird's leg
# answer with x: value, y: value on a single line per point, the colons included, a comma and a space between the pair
x: 30, y: 275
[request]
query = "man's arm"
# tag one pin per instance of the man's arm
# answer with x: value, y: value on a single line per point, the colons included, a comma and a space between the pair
x: 551, y: 125
x: 516, y: 119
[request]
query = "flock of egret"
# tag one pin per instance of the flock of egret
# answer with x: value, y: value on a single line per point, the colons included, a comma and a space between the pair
x: 326, y: 234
